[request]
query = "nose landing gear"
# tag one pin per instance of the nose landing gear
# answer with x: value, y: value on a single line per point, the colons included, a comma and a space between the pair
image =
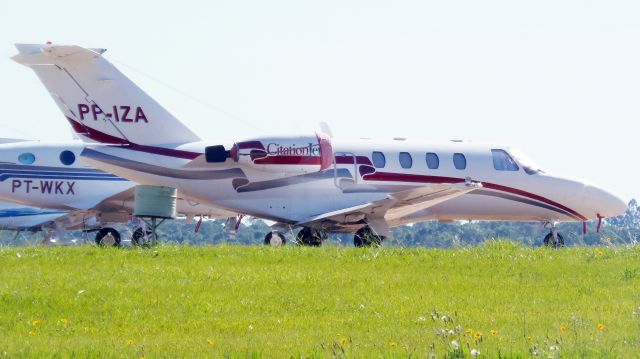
x: 553, y: 239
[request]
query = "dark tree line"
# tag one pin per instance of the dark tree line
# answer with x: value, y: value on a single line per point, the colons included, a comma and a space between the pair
x: 624, y: 229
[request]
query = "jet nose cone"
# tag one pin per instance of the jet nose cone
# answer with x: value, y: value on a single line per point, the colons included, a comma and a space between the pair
x: 605, y: 203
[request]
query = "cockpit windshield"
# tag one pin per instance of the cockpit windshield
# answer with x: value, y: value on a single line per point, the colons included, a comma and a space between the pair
x: 527, y: 164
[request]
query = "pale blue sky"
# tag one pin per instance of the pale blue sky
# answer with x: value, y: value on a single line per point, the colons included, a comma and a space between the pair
x: 559, y: 80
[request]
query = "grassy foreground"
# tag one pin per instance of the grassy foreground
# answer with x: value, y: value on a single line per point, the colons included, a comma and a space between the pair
x: 231, y: 301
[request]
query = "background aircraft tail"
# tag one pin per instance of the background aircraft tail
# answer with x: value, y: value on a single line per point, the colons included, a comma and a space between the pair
x: 99, y: 101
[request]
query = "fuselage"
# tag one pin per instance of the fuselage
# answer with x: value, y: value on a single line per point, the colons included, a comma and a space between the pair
x: 46, y: 180
x: 365, y: 171
x: 50, y: 175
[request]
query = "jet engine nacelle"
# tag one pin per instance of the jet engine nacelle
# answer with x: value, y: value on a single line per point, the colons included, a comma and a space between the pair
x: 286, y: 154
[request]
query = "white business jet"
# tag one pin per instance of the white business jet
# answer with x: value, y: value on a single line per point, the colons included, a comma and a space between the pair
x: 56, y: 192
x: 310, y: 181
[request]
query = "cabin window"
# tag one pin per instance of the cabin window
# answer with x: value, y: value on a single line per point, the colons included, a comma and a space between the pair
x: 378, y: 159
x: 405, y: 160
x: 27, y: 158
x: 433, y: 161
x: 459, y: 161
x: 67, y: 158
x: 503, y: 162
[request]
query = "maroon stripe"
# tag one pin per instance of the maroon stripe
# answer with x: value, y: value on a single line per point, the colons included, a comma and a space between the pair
x: 102, y: 137
x: 348, y: 160
x: 401, y: 177
x: 522, y: 193
x: 250, y: 145
x: 95, y: 134
x: 289, y: 160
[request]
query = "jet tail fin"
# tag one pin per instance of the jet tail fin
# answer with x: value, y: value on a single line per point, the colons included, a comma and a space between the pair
x: 101, y: 103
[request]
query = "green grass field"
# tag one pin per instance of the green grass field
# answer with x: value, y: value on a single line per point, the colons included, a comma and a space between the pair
x: 233, y: 301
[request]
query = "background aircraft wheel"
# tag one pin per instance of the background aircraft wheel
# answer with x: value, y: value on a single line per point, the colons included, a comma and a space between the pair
x: 366, y: 237
x: 549, y: 241
x: 311, y: 237
x: 140, y: 238
x: 274, y: 239
x: 108, y: 237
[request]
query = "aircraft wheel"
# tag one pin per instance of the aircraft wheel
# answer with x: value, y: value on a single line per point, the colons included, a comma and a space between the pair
x: 140, y: 238
x: 549, y: 241
x: 274, y: 239
x: 366, y: 237
x: 311, y: 237
x: 108, y: 237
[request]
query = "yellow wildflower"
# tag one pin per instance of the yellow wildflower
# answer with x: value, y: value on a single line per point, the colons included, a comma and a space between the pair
x: 493, y: 332
x: 600, y: 326
x: 343, y: 341
x: 210, y: 341
x: 35, y: 323
x: 529, y: 338
x: 563, y: 328
x: 393, y: 344
x: 64, y: 321
x: 600, y: 253
x: 130, y: 342
x: 478, y: 335
x: 468, y: 331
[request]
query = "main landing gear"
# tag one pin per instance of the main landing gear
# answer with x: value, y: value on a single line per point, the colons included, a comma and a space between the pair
x: 107, y: 237
x: 311, y: 237
x: 274, y: 239
x: 553, y: 239
x: 366, y: 237
x: 141, y: 237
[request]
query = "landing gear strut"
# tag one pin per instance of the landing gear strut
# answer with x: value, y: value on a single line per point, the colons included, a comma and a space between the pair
x: 553, y: 239
x: 274, y: 239
x: 366, y: 237
x: 108, y: 237
x: 311, y: 237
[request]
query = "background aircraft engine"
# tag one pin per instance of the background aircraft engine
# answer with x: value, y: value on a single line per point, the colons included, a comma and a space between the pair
x: 290, y: 154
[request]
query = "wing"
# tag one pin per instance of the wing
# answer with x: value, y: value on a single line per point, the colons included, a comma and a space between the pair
x: 393, y: 208
x: 123, y: 203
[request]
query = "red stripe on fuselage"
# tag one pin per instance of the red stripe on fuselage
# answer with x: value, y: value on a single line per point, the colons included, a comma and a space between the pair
x: 412, y: 178
x: 289, y: 160
x: 348, y: 160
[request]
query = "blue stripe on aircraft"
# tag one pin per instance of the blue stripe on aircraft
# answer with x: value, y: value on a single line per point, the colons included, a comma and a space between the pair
x: 11, y: 166
x: 64, y: 177
x: 43, y: 172
x: 23, y: 212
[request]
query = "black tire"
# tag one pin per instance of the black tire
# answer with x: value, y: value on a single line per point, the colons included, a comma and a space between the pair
x: 274, y: 242
x: 549, y: 242
x: 366, y: 237
x: 108, y: 237
x: 311, y: 237
x: 140, y: 238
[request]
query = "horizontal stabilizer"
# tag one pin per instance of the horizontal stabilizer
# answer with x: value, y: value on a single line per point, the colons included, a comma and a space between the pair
x: 33, y: 54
